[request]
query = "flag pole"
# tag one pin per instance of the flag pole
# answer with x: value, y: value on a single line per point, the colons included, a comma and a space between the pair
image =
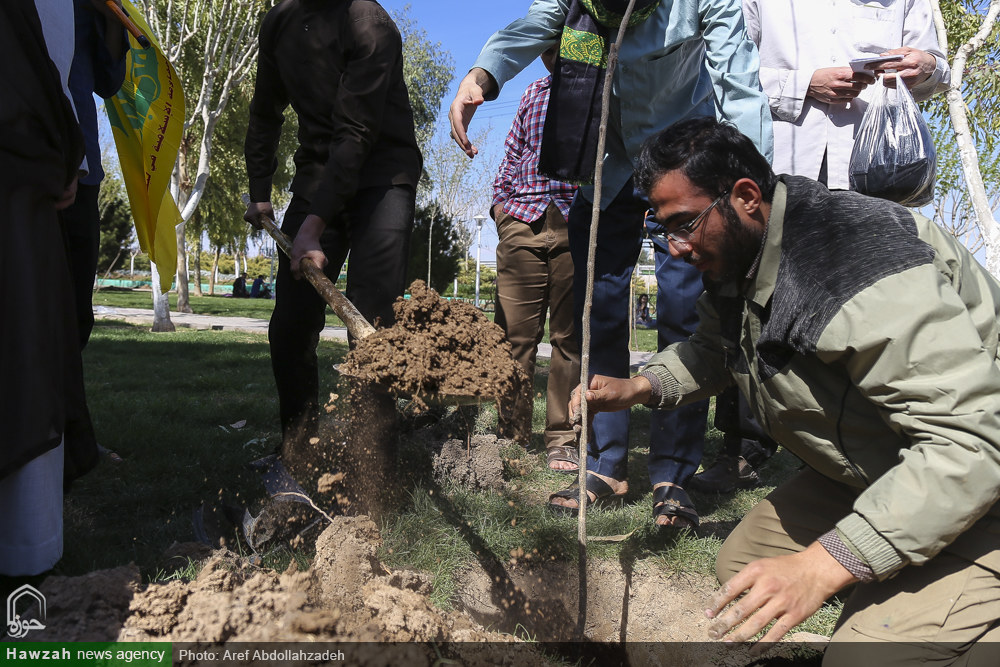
x: 127, y: 22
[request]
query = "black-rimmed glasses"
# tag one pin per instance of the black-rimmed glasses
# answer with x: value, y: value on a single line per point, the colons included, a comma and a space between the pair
x: 683, y: 233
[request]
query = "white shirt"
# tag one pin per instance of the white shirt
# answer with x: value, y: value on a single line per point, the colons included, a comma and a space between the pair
x: 56, y: 17
x: 797, y: 37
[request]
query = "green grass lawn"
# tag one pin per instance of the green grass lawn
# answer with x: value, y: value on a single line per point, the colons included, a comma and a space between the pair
x: 171, y: 405
x: 226, y: 306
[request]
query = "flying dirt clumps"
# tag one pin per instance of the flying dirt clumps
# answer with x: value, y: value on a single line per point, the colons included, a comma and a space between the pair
x: 438, y: 348
x: 476, y: 464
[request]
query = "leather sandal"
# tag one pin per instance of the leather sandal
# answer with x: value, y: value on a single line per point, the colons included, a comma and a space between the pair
x: 567, y: 453
x: 672, y: 501
x: 603, y: 494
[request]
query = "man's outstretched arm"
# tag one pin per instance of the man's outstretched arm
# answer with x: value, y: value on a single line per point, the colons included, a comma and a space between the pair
x: 476, y: 87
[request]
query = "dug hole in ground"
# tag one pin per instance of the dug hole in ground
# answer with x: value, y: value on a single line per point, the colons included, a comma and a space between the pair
x: 347, y: 594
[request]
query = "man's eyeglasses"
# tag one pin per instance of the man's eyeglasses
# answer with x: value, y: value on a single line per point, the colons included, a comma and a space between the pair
x: 683, y: 233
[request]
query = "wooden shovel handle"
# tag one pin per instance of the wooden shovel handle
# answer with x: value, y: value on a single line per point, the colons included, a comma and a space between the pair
x: 356, y: 324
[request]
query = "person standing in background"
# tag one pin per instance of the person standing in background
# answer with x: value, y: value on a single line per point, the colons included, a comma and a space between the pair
x: 41, y: 153
x: 816, y: 99
x: 677, y: 61
x: 535, y: 271
x: 98, y: 67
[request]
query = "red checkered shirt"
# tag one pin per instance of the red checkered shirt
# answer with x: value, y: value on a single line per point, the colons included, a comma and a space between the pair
x: 524, y: 193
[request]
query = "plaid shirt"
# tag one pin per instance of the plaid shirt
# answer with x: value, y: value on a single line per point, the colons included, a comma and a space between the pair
x: 524, y: 193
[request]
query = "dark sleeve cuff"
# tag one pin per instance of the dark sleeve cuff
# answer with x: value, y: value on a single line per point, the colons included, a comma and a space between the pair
x: 843, y: 555
x: 260, y: 189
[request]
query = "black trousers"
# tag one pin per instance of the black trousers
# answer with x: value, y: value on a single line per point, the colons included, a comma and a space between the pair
x: 81, y: 232
x: 81, y: 229
x: 375, y: 229
x: 742, y: 435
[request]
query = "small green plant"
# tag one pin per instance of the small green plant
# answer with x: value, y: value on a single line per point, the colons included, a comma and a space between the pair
x: 187, y: 572
x: 524, y: 634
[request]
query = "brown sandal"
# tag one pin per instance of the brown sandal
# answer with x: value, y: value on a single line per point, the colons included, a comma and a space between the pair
x: 671, y: 500
x: 567, y: 453
x: 603, y: 494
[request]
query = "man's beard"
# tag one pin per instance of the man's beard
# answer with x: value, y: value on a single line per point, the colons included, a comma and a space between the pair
x: 740, y: 245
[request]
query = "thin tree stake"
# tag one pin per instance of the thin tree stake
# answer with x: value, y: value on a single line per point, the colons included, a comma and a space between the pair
x: 595, y: 214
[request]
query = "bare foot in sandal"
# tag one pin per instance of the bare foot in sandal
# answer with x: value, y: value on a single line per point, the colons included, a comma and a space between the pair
x: 672, y: 507
x: 563, y: 458
x: 618, y: 489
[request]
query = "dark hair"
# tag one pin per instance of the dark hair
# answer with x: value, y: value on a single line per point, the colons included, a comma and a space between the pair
x: 711, y: 154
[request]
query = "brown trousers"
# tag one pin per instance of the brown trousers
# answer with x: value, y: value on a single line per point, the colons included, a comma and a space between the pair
x: 945, y: 612
x: 535, y: 275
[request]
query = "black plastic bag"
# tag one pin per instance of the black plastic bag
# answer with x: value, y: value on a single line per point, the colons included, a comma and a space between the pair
x: 894, y: 156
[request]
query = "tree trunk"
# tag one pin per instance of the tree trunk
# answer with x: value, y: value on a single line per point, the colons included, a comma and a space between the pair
x: 161, y: 304
x: 183, y: 300
x: 197, y: 267
x: 989, y: 229
x: 215, y: 272
x: 228, y: 31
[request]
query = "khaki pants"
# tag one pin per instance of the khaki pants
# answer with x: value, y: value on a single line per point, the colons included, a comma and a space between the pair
x: 535, y: 276
x: 946, y: 612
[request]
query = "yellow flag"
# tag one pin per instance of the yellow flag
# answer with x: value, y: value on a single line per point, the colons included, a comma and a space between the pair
x: 147, y: 119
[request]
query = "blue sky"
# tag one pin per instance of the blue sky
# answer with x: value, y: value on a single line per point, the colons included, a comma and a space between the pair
x: 462, y: 28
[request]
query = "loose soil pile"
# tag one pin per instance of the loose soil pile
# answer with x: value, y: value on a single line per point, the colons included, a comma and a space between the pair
x: 437, y: 351
x: 347, y: 595
x: 438, y: 348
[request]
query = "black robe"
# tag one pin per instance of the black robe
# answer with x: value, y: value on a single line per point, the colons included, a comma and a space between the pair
x: 40, y: 152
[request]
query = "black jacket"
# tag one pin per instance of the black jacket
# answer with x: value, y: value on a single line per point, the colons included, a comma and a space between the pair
x: 339, y: 64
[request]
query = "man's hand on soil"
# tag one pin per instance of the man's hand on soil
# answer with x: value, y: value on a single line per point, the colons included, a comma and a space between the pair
x: 784, y: 589
x: 307, y: 246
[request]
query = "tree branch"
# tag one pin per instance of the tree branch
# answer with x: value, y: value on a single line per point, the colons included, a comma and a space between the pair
x: 989, y: 229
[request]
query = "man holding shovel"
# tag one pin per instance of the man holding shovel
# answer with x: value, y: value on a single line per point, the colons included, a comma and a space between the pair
x: 340, y: 66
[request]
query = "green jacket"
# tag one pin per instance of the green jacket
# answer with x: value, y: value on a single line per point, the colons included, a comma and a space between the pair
x: 867, y: 345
